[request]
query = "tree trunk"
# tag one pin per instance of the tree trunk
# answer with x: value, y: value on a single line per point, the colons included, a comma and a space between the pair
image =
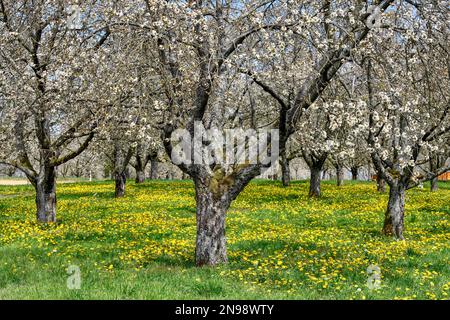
x: 354, y: 173
x: 339, y: 175
x: 154, y: 169
x: 140, y: 176
x: 434, y: 165
x: 393, y: 222
x: 121, y: 180
x: 127, y: 173
x: 314, y: 182
x: 381, y: 184
x: 434, y: 185
x: 45, y: 186
x: 11, y: 171
x: 285, y: 171
x: 211, y: 212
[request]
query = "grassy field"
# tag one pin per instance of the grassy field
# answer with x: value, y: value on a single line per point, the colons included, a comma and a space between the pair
x: 281, y: 244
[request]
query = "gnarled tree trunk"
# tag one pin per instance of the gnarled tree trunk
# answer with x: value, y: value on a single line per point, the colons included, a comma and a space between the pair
x: 339, y: 175
x: 394, y: 216
x: 153, y: 168
x: 121, y: 180
x: 315, y: 165
x: 10, y: 171
x: 354, y: 171
x: 140, y: 164
x: 45, y: 185
x: 434, y: 185
x: 215, y: 191
x: 211, y: 213
x: 381, y: 184
x: 435, y: 163
x: 314, y: 182
x: 122, y: 156
x: 285, y: 171
x: 140, y: 176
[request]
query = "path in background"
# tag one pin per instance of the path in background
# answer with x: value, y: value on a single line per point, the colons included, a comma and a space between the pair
x: 22, y: 182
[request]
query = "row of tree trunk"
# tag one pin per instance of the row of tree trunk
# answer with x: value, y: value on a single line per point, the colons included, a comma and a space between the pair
x: 394, y: 215
x: 140, y: 171
x: 315, y: 178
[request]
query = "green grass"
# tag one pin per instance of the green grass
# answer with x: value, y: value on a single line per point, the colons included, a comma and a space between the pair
x: 281, y: 245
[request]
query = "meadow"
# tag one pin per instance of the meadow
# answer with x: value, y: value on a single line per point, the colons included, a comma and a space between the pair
x: 281, y: 244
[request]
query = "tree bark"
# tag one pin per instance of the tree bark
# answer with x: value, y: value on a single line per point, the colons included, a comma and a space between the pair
x: 434, y: 165
x: 121, y: 159
x: 154, y: 169
x: 285, y: 171
x: 434, y: 185
x: 140, y: 176
x: 354, y: 171
x: 45, y: 186
x: 394, y: 216
x: 140, y: 164
x: 339, y: 175
x: 381, y: 184
x: 314, y: 182
x: 127, y: 173
x: 11, y: 171
x: 211, y: 247
x: 121, y: 180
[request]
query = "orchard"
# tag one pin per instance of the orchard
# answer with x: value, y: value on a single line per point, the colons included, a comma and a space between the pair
x: 292, y: 148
